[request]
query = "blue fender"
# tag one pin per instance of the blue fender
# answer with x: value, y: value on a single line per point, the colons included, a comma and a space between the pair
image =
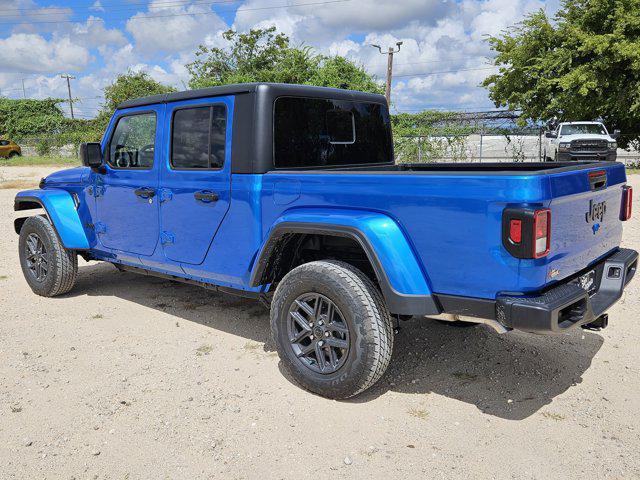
x: 403, y: 283
x: 62, y: 212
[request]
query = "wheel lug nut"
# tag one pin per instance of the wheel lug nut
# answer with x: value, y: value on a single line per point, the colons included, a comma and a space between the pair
x: 320, y: 322
x: 326, y: 334
x: 311, y: 337
x: 321, y: 343
x: 311, y: 324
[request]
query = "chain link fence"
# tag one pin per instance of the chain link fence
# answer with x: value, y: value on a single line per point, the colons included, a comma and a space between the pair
x: 488, y: 147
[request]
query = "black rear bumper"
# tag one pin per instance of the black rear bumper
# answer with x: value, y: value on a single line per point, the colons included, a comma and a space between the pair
x: 560, y: 308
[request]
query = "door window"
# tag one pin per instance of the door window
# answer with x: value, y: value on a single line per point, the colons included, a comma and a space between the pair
x: 133, y: 141
x: 198, y: 138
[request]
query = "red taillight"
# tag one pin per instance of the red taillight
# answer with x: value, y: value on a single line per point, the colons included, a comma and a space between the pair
x: 627, y: 203
x: 541, y: 233
x: 515, y: 231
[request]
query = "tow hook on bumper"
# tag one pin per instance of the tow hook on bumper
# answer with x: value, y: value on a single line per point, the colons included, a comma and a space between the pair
x: 598, y: 324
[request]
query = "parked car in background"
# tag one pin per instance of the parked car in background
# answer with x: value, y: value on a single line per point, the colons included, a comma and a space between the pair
x: 580, y: 141
x: 9, y: 149
x: 290, y: 195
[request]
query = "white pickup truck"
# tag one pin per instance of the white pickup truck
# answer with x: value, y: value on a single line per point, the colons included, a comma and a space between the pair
x: 580, y: 141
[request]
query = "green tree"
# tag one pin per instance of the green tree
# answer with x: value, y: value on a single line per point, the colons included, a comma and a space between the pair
x: 22, y: 118
x: 125, y: 87
x: 583, y: 64
x: 263, y: 55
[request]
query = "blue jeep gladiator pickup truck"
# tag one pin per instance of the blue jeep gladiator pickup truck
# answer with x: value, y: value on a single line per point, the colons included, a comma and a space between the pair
x: 290, y: 194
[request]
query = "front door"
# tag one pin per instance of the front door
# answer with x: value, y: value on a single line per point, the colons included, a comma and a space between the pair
x: 196, y: 178
x: 126, y: 195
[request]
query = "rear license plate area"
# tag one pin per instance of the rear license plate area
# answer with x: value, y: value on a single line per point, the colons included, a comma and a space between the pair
x: 587, y: 281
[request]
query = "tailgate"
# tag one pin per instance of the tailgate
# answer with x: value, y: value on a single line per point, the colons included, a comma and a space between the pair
x: 585, y: 218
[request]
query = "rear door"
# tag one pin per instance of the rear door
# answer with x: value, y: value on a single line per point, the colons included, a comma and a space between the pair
x: 196, y: 176
x: 585, y: 218
x: 126, y: 204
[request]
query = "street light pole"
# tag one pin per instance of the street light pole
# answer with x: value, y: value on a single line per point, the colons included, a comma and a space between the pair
x: 389, y: 53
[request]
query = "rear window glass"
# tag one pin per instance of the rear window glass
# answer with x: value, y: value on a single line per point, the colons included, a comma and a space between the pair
x: 198, y: 137
x: 312, y: 132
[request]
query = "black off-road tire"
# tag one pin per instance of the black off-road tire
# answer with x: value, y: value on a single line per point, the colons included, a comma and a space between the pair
x: 62, y: 264
x: 14, y: 154
x: 369, y: 323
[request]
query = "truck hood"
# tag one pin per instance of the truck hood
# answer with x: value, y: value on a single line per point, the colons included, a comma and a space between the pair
x: 569, y: 138
x: 70, y: 176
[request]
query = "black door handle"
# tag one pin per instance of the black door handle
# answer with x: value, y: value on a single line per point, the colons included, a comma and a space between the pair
x: 206, y: 196
x: 145, y: 192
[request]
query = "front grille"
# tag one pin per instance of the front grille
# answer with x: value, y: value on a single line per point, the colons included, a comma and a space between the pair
x: 589, y: 145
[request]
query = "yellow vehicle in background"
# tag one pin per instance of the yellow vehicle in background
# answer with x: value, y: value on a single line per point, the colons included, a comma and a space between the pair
x: 9, y: 149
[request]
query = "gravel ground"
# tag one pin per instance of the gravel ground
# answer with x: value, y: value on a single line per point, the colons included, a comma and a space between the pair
x: 132, y: 377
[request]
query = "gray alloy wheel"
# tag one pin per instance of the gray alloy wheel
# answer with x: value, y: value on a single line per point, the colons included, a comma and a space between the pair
x: 331, y: 328
x: 318, y: 333
x: 48, y: 267
x: 37, y: 258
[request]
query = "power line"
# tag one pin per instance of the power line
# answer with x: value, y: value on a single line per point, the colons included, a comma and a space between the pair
x: 427, y: 61
x: 208, y: 12
x: 426, y: 74
x: 48, y: 11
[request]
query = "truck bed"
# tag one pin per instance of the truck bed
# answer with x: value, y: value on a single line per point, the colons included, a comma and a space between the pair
x: 452, y: 216
x: 461, y: 168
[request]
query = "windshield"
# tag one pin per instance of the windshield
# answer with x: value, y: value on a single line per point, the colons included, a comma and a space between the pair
x: 583, y: 129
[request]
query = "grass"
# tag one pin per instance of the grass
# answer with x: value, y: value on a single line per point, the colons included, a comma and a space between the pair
x: 633, y: 171
x: 464, y: 376
x: 553, y: 416
x: 420, y: 413
x: 204, y: 349
x: 39, y: 161
x: 3, y: 277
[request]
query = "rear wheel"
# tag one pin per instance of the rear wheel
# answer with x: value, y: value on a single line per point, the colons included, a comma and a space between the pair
x: 49, y: 268
x: 332, y: 329
x: 14, y: 154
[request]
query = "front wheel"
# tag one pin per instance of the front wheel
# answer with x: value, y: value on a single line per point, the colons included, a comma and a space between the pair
x: 49, y: 268
x: 331, y: 328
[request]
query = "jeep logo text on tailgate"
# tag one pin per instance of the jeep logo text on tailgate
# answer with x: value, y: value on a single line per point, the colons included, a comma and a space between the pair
x: 596, y: 211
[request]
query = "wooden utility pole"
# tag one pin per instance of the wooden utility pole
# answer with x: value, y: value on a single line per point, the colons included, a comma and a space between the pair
x: 389, y: 53
x: 69, y: 78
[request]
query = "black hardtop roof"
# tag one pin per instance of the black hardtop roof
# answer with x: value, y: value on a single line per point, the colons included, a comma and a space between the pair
x: 275, y: 89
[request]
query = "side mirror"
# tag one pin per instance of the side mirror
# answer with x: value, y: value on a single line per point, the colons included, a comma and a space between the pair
x: 551, y: 135
x: 91, y: 155
x: 616, y: 134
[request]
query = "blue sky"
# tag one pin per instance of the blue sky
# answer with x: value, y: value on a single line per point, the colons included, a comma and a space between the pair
x: 443, y: 59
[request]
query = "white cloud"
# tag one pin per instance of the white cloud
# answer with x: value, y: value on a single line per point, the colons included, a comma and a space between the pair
x: 168, y: 31
x: 93, y: 33
x: 438, y: 35
x: 28, y: 52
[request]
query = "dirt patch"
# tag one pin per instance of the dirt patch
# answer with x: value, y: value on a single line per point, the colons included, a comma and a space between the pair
x: 101, y: 383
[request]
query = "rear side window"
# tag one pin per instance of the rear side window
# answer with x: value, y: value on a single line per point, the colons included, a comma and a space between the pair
x: 133, y: 142
x: 198, y: 137
x: 313, y: 132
